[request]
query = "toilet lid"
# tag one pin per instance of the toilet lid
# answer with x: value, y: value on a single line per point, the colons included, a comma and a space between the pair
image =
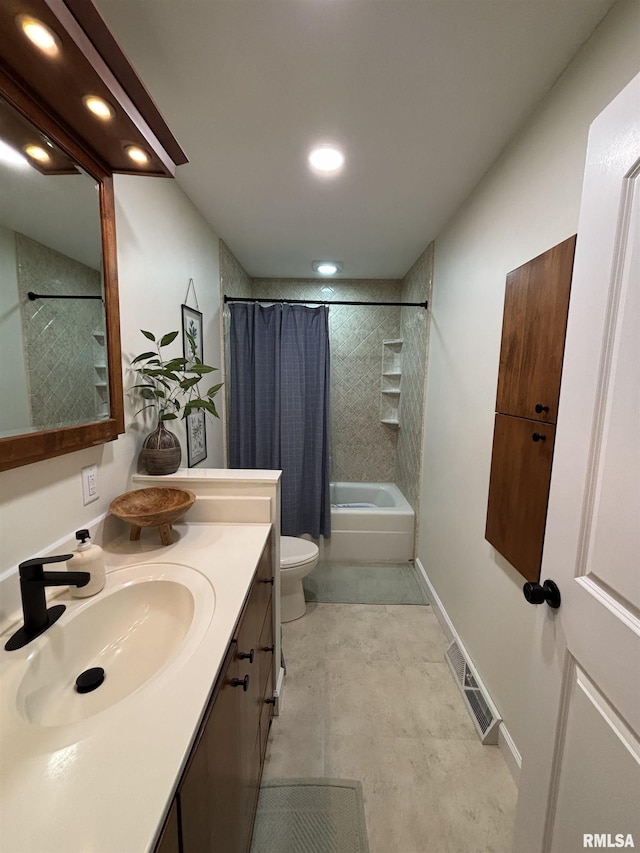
x: 294, y: 551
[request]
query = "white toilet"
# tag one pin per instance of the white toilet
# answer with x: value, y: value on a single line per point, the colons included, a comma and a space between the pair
x: 298, y: 557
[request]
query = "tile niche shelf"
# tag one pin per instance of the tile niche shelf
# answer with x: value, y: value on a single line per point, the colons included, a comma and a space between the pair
x: 390, y: 383
x: 100, y: 382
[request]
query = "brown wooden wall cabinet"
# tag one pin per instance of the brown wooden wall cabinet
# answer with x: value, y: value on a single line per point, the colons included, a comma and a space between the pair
x: 217, y: 796
x: 534, y: 325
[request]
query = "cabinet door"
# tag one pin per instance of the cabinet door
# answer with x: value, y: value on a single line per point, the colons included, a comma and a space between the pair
x: 533, y: 331
x: 210, y: 795
x: 249, y: 719
x: 519, y: 491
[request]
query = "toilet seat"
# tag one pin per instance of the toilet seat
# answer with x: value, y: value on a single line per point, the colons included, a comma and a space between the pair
x: 296, y: 552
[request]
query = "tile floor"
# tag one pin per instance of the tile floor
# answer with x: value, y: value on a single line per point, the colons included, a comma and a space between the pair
x: 369, y: 696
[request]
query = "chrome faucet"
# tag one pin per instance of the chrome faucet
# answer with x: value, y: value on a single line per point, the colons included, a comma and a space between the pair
x: 33, y: 581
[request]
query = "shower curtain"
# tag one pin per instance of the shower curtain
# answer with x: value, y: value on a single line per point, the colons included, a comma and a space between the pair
x: 279, y: 406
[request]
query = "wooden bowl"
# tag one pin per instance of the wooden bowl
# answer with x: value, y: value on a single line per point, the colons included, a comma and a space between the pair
x: 155, y: 507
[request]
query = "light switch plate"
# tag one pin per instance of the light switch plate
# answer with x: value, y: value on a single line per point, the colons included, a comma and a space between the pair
x: 90, y: 484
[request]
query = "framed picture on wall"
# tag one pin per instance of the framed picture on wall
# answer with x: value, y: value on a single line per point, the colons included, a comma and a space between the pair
x: 196, y: 438
x: 191, y: 334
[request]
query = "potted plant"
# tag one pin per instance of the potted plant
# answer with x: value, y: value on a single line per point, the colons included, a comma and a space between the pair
x: 170, y: 387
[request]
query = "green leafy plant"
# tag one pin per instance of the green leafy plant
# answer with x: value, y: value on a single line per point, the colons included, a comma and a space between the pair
x: 171, y: 386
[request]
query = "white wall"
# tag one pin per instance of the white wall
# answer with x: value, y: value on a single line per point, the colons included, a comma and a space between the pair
x: 162, y: 242
x: 528, y: 202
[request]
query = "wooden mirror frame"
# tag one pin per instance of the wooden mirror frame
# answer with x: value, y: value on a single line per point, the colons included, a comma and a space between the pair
x: 34, y: 446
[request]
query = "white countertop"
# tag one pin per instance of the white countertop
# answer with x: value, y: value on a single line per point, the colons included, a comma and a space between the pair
x: 104, y: 784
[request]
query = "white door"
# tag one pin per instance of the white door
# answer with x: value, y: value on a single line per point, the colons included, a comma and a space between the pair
x: 580, y: 781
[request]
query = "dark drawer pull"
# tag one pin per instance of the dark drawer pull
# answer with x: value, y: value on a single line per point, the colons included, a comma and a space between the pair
x: 267, y: 580
x: 540, y: 408
x: 246, y: 656
x: 269, y: 701
x: 269, y: 649
x: 241, y: 682
x: 537, y: 436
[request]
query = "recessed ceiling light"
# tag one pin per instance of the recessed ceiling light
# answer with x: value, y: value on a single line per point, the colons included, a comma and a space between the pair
x: 36, y: 152
x: 137, y: 154
x: 99, y: 107
x: 39, y: 34
x: 326, y: 159
x: 327, y: 267
x: 11, y: 156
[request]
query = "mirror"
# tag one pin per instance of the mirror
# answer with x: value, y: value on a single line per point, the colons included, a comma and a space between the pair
x: 60, y: 384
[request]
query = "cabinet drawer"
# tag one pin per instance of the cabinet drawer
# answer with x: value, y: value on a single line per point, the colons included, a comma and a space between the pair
x: 519, y: 491
x: 264, y: 581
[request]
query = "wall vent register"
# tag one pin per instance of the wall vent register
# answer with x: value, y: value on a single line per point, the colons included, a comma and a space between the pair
x: 476, y: 699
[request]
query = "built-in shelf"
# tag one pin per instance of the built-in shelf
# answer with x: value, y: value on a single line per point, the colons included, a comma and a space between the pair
x: 100, y: 383
x: 390, y: 383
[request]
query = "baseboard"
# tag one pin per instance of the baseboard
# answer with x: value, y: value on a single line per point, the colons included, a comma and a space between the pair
x: 506, y: 744
x: 509, y: 752
x: 438, y: 608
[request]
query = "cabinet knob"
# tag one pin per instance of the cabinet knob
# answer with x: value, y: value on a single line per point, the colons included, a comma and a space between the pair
x: 536, y: 593
x: 540, y: 408
x: 270, y: 701
x: 267, y: 580
x: 538, y: 436
x: 246, y: 656
x: 269, y: 649
x: 241, y: 682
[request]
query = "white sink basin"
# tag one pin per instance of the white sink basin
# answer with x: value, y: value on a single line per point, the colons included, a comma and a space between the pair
x: 146, y: 621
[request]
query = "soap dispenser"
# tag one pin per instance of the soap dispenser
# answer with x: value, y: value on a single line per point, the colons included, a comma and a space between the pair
x: 87, y: 558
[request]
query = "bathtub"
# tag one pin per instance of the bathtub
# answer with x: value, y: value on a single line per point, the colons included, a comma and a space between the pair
x: 370, y: 522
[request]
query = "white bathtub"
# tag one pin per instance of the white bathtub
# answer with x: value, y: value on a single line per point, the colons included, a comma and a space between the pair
x: 382, y: 531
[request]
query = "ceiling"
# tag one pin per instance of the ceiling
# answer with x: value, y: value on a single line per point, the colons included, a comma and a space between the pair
x: 422, y: 96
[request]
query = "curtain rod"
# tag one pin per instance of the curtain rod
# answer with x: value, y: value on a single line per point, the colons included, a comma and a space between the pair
x: 328, y: 302
x: 32, y: 296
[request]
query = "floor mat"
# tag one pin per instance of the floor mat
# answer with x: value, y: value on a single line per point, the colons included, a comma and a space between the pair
x: 310, y: 816
x: 365, y: 583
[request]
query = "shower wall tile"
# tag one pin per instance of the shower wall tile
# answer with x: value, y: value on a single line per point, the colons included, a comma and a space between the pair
x: 59, y: 335
x: 234, y: 281
x: 417, y: 286
x: 362, y: 449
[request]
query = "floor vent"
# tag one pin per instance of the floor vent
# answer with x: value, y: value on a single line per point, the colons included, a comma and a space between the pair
x: 482, y: 710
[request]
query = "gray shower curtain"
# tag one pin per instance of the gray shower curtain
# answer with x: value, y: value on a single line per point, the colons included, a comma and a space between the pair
x: 279, y: 405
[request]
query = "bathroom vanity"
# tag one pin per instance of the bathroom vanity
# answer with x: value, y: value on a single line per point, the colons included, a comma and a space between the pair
x: 215, y: 802
x: 173, y: 747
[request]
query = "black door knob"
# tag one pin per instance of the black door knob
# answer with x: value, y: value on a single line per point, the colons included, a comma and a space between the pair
x: 538, y: 436
x: 241, y: 682
x: 267, y: 580
x: 536, y: 593
x: 540, y: 408
x: 246, y: 656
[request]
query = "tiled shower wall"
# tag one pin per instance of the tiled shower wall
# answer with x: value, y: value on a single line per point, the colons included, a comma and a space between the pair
x: 417, y: 285
x: 363, y: 449
x: 62, y: 338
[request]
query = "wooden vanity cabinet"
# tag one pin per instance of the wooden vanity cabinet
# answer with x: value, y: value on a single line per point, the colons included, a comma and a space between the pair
x: 217, y: 796
x: 534, y: 325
